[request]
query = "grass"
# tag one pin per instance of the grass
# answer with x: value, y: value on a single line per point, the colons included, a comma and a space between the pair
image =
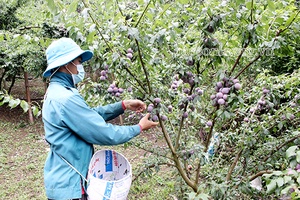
x: 23, y: 152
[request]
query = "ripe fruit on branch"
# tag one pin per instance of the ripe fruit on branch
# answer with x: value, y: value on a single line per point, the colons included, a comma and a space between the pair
x: 157, y: 100
x: 185, y: 115
x: 164, y: 118
x: 129, y: 55
x: 120, y: 90
x: 114, y: 90
x: 209, y: 123
x: 265, y: 91
x: 190, y: 62
x: 130, y: 51
x: 199, y: 91
x: 237, y: 86
x: 103, y: 73
x: 219, y: 95
x: 221, y: 101
x: 186, y: 90
x: 150, y: 108
x: 225, y: 90
x: 219, y: 84
x: 170, y: 108
x: 154, y: 118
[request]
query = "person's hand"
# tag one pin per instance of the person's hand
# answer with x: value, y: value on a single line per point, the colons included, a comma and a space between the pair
x: 145, y: 123
x: 135, y: 105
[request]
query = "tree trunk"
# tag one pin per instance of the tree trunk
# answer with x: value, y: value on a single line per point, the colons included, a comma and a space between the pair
x: 28, y: 97
x: 13, y: 80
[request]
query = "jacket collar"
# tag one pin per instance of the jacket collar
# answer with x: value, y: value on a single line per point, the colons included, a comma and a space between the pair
x: 63, y: 78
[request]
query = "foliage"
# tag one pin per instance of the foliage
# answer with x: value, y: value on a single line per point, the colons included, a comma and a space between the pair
x: 13, y: 102
x: 286, y: 182
x: 221, y: 77
x: 202, y: 66
x: 8, y: 17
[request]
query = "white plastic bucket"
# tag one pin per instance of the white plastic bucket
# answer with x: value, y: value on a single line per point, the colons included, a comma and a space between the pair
x: 109, y: 176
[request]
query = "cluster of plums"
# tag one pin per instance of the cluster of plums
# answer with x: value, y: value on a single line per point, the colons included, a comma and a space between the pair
x: 223, y: 89
x: 114, y: 90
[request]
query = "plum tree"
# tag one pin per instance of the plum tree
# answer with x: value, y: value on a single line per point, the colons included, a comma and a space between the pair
x: 200, y: 82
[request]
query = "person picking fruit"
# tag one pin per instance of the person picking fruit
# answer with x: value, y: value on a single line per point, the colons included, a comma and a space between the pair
x: 72, y: 126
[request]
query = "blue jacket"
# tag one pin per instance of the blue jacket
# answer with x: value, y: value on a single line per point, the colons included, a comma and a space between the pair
x: 71, y: 129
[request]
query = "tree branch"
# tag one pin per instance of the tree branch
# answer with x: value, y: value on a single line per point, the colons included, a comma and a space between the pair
x: 190, y: 183
x: 233, y: 165
x: 143, y: 66
x: 251, y: 178
x: 248, y: 65
x: 280, y: 146
x: 97, y: 26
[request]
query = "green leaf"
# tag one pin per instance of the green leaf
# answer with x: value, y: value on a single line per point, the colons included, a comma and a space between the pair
x: 227, y: 114
x: 271, y: 186
x: 249, y: 5
x: 298, y: 156
x: 52, y: 6
x: 24, y: 105
x: 134, y: 32
x: 184, y: 1
x: 203, y: 196
x: 14, y: 103
x: 280, y: 125
x: 280, y: 181
x: 290, y: 19
x: 35, y: 110
x: 239, y: 2
x: 267, y: 176
x: 73, y: 7
x: 271, y: 5
x: 287, y: 179
x: 291, y: 151
x: 277, y: 173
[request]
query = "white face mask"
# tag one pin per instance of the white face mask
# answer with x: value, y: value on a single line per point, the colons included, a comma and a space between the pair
x: 81, y: 73
x: 80, y: 76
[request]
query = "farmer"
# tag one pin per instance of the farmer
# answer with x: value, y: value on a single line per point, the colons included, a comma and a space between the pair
x: 72, y: 127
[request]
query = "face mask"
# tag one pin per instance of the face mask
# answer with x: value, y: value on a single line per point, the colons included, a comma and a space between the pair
x: 80, y: 76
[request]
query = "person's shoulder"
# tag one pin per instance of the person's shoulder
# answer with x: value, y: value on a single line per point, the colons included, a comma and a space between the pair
x: 60, y: 92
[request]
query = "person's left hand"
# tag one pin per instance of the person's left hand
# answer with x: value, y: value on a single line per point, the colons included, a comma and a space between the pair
x: 135, y: 105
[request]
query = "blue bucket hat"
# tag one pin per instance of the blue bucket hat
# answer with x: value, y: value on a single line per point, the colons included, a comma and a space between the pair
x: 63, y: 51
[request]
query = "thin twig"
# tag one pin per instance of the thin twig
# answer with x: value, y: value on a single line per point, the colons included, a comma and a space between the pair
x: 97, y: 25
x: 248, y: 65
x: 150, y: 166
x: 143, y: 14
x: 280, y: 146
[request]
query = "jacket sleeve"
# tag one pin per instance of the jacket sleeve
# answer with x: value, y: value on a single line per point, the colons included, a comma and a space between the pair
x: 110, y: 111
x: 90, y: 125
